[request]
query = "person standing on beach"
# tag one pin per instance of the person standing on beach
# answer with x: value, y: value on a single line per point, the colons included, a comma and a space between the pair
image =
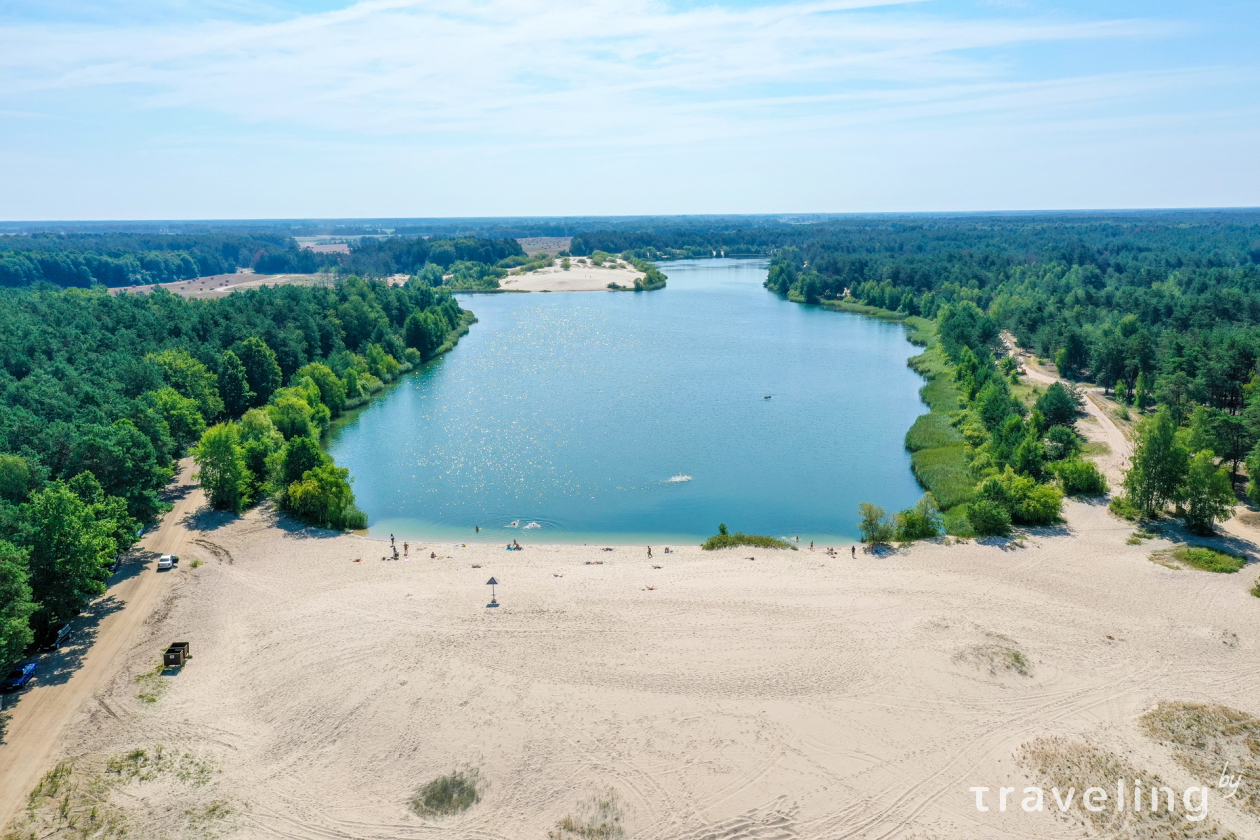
x: 406, y: 549
x: 391, y: 540
x: 649, y: 551
x: 854, y: 548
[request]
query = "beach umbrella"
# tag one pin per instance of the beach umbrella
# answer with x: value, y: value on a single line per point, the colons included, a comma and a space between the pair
x: 492, y: 583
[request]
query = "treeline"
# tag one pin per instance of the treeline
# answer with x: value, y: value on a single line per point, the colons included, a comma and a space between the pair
x: 991, y: 452
x: 1164, y: 313
x: 101, y: 394
x: 120, y: 259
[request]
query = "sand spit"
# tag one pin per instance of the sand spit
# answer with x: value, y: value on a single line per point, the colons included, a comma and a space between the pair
x: 579, y: 277
x: 790, y: 695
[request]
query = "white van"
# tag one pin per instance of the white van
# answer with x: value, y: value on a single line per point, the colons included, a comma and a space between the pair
x: 167, y: 561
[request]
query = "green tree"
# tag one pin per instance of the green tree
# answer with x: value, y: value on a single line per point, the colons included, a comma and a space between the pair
x: 300, y: 455
x: 1208, y: 495
x: 123, y: 460
x: 875, y: 526
x: 323, y: 497
x: 16, y: 605
x: 921, y: 522
x: 70, y: 552
x: 332, y: 391
x: 1142, y: 392
x: 190, y: 378
x: 1158, y: 466
x: 291, y: 416
x: 1030, y: 457
x: 988, y: 518
x: 1058, y: 405
x: 1228, y: 435
x: 260, y: 441
x: 183, y: 417
x: 16, y: 478
x: 234, y: 385
x: 1061, y: 443
x: 261, y: 368
x: 221, y: 468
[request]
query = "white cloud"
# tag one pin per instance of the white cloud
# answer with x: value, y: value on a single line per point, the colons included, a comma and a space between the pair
x: 581, y: 70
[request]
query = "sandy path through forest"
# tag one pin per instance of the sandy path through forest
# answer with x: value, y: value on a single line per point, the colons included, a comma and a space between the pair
x: 40, y: 716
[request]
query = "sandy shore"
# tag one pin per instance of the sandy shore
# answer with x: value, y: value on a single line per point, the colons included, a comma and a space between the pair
x: 790, y: 695
x: 580, y: 277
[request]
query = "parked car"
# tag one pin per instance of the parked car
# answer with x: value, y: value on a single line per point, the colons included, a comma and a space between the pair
x: 56, y: 639
x: 19, y: 676
x: 167, y: 561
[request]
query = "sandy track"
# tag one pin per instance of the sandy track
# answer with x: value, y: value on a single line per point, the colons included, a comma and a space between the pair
x: 32, y: 737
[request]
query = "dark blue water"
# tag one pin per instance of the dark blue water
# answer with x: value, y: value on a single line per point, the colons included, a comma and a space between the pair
x: 576, y: 410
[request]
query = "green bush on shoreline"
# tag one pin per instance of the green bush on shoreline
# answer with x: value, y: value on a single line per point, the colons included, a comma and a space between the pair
x: 725, y: 539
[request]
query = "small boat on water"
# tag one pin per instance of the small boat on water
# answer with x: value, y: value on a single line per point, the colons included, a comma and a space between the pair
x: 532, y: 525
x: 766, y: 397
x: 676, y: 479
x: 515, y: 523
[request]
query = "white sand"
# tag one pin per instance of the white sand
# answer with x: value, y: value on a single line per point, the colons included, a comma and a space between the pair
x: 795, y: 695
x: 581, y: 277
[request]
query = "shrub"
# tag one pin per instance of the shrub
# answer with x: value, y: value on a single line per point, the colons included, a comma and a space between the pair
x: 1080, y: 477
x: 727, y: 540
x: 1123, y: 507
x: 875, y: 525
x: 989, y: 518
x: 1059, y: 405
x: 921, y: 522
x: 1026, y: 502
x: 323, y: 497
x: 449, y: 794
x: 1062, y: 443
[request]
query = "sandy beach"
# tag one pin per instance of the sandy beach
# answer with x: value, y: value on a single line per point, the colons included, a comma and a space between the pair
x: 790, y: 695
x: 579, y: 277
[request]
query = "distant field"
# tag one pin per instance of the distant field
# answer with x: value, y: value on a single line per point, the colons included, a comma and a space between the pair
x: 545, y: 244
x: 219, y: 285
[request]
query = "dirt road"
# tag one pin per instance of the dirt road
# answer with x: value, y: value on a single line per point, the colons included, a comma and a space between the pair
x: 1113, y: 464
x: 42, y: 713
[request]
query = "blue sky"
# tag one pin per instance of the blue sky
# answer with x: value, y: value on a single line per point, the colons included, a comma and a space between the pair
x: 244, y: 109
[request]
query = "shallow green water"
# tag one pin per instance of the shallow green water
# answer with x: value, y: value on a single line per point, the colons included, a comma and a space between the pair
x: 585, y: 412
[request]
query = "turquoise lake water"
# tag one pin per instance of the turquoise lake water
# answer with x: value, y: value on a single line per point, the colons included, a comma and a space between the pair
x: 585, y: 412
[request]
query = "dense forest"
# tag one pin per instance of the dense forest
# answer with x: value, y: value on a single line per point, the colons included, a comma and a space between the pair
x: 133, y: 259
x: 101, y: 394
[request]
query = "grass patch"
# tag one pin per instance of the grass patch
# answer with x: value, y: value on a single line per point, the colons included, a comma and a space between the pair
x: 1125, y: 509
x: 449, y: 794
x: 152, y: 685
x: 1255, y: 589
x: 599, y: 818
x: 999, y: 656
x: 76, y: 798
x: 938, y: 452
x: 195, y: 564
x: 1095, y: 448
x: 946, y: 473
x: 932, y: 431
x: 1204, y: 737
x: 1063, y: 764
x: 1197, y: 557
x: 740, y: 538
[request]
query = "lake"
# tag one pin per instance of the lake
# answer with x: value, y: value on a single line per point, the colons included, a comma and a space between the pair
x: 641, y: 418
